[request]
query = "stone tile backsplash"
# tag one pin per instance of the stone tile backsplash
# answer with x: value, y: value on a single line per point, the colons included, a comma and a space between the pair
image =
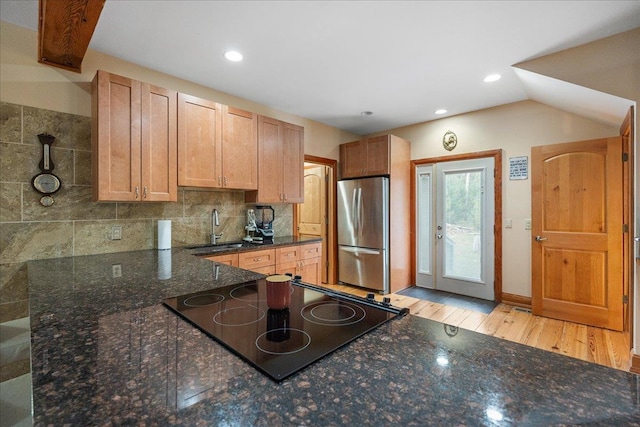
x: 75, y: 225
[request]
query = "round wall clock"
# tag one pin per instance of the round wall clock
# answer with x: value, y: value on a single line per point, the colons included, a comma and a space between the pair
x: 449, y: 141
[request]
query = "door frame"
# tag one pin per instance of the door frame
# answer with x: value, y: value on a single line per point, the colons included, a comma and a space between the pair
x: 332, y: 230
x: 497, y: 220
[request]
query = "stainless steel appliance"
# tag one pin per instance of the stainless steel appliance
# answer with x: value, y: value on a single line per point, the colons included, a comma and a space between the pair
x: 363, y: 232
x: 281, y: 342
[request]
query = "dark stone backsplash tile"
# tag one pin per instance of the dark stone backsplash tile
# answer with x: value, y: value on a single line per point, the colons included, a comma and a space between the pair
x: 70, y: 203
x: 10, y: 202
x: 14, y: 285
x: 10, y: 122
x: 71, y: 131
x: 21, y: 242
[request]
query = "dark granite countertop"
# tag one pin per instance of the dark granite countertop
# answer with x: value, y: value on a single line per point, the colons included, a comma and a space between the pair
x: 105, y: 351
x: 219, y: 249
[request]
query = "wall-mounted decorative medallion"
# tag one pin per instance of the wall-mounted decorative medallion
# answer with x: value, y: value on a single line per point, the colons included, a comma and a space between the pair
x: 46, y: 183
x: 449, y: 141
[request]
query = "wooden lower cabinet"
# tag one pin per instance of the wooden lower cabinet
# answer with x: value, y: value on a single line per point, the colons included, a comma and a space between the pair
x: 301, y: 260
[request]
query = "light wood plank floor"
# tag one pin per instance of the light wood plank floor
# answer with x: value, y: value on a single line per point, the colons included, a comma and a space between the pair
x: 588, y: 343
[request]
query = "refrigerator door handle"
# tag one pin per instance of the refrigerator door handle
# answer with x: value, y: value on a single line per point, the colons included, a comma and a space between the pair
x: 360, y: 250
x: 359, y: 208
x: 353, y: 212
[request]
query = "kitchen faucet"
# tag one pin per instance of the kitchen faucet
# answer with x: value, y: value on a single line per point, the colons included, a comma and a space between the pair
x: 215, y: 221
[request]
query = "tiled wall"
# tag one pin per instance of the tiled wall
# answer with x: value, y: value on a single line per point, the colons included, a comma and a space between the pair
x: 75, y: 225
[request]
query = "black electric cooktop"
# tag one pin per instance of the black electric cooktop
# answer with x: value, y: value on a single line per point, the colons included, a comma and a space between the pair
x: 281, y: 342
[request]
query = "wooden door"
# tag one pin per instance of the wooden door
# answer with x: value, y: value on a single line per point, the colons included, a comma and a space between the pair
x: 577, y: 232
x: 159, y: 144
x: 239, y: 149
x: 116, y: 138
x: 292, y: 163
x: 377, y: 155
x: 313, y: 213
x: 199, y: 142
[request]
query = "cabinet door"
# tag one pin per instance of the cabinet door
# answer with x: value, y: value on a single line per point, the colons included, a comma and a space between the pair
x: 239, y: 149
x: 292, y: 267
x: 199, y: 142
x: 377, y: 155
x: 115, y: 138
x: 310, y: 270
x: 352, y: 159
x: 293, y: 163
x: 159, y: 144
x: 269, y: 161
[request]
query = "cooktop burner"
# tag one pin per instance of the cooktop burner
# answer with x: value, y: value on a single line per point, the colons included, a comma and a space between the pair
x: 281, y: 342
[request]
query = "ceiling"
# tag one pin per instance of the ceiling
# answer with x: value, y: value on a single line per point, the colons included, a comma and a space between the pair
x: 331, y: 60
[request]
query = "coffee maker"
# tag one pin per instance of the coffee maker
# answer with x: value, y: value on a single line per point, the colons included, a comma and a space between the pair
x: 264, y: 224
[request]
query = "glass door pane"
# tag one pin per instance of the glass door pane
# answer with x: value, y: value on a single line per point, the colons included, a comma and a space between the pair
x: 463, y: 192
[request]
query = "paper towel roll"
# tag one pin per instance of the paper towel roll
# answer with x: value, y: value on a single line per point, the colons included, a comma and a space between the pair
x: 164, y: 265
x: 164, y: 234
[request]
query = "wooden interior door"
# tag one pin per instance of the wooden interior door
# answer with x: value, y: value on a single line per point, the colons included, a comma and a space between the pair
x: 577, y: 232
x: 312, y: 214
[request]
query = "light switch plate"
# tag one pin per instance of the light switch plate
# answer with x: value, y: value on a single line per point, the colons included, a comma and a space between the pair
x: 527, y: 224
x: 508, y: 223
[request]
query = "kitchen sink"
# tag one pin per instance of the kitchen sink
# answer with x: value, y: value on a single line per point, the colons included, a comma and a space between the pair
x: 217, y: 247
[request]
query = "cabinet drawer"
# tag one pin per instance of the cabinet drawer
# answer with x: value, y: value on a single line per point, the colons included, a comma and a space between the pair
x: 256, y: 259
x: 228, y: 259
x: 288, y: 254
x: 311, y: 251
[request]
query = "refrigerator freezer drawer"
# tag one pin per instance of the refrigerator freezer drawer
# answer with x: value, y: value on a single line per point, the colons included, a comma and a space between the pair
x: 364, y: 267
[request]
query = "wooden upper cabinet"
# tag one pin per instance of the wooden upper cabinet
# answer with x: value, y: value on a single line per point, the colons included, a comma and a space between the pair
x: 293, y: 164
x: 133, y: 140
x: 217, y: 145
x: 280, y: 163
x: 239, y: 149
x: 367, y: 157
x: 199, y: 142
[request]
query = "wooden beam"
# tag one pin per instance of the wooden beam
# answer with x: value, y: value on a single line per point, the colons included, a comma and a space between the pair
x: 65, y: 30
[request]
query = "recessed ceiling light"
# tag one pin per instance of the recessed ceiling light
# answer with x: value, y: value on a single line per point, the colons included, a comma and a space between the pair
x: 441, y: 111
x: 366, y: 113
x: 233, y: 56
x: 492, y: 78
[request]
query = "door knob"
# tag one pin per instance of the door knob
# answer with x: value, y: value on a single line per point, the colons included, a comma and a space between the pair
x: 540, y: 239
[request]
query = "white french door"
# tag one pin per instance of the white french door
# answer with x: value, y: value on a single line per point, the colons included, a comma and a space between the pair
x: 454, y: 224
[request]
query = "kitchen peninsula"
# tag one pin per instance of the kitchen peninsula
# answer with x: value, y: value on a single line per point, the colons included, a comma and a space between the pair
x: 105, y: 351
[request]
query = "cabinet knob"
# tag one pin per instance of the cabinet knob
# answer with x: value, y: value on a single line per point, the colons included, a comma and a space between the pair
x: 219, y: 181
x: 137, y: 192
x: 144, y: 193
x: 226, y: 181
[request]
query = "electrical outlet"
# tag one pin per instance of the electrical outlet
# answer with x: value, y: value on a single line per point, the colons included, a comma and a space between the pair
x: 116, y: 232
x: 116, y: 270
x: 527, y: 224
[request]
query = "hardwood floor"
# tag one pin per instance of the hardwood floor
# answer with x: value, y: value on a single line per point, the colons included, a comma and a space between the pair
x: 591, y: 344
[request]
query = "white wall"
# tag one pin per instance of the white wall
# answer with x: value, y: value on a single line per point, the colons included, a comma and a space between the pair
x: 514, y: 128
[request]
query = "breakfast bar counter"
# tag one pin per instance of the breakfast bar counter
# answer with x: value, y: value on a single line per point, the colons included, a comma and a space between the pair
x: 106, y: 351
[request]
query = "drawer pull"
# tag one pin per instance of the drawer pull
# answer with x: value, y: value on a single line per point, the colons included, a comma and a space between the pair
x: 257, y: 259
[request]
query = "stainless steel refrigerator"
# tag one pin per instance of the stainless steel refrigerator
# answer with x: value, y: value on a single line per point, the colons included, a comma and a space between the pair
x: 363, y: 232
